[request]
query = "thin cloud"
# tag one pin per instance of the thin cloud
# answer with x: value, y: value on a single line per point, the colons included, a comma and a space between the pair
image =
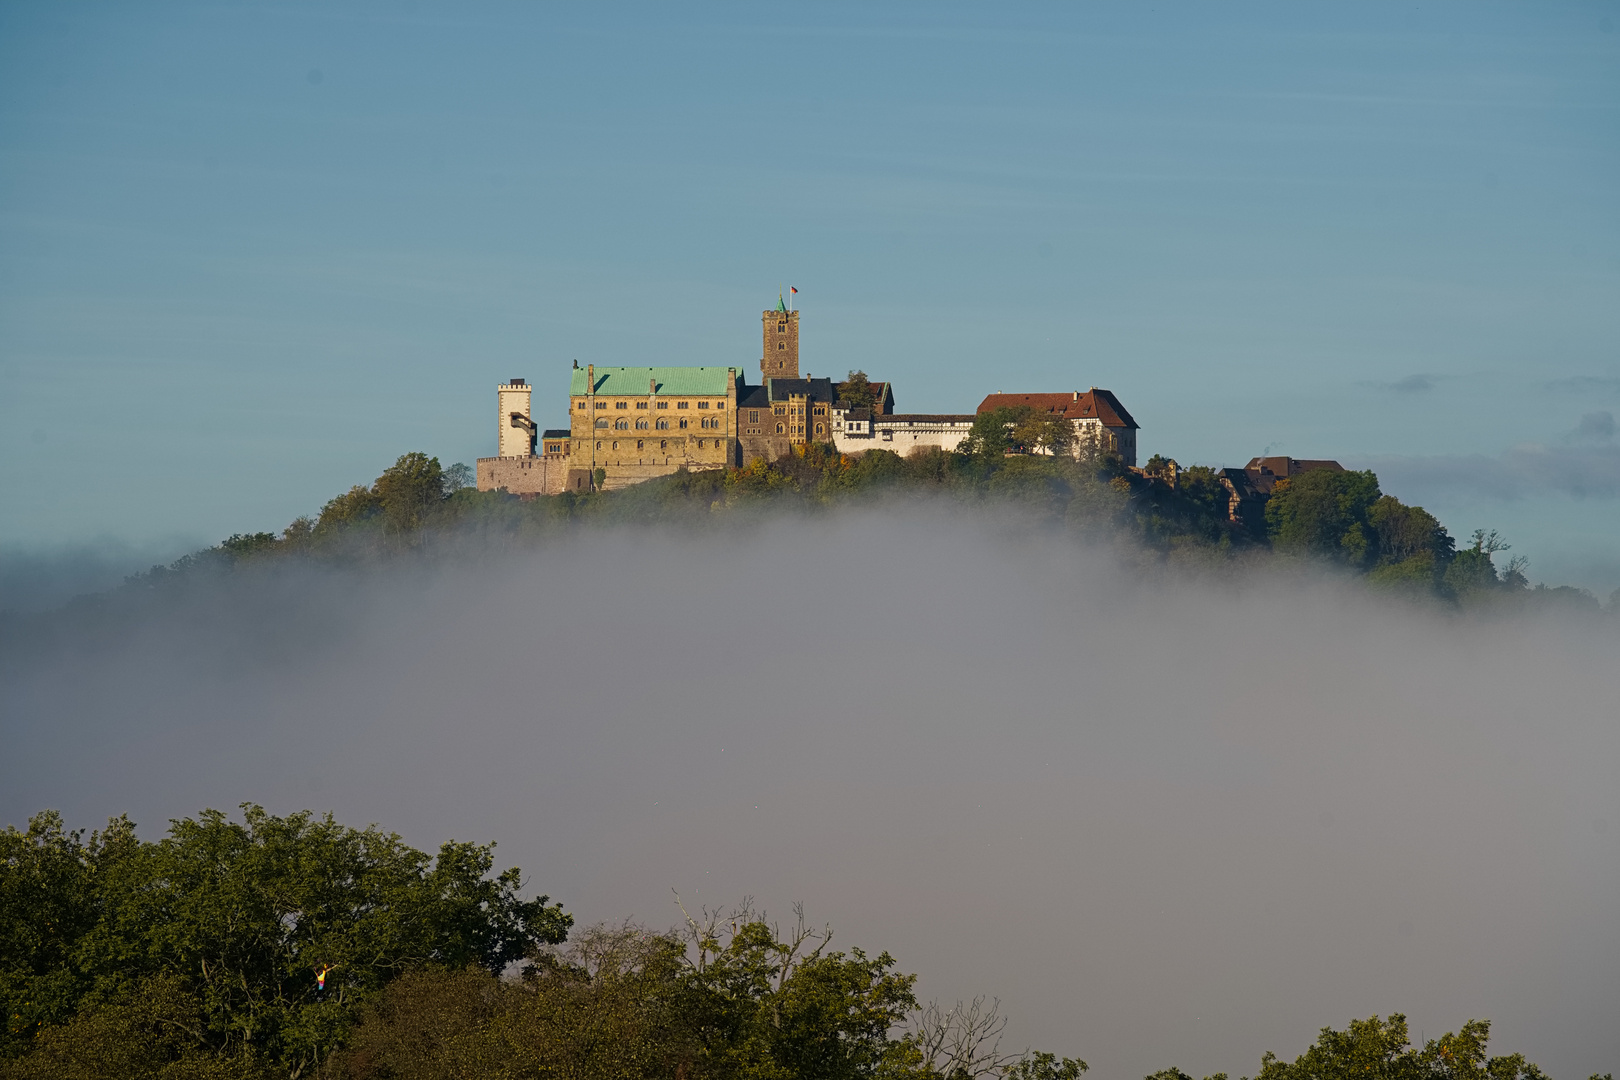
x: 1595, y: 427
x: 1524, y: 471
x: 1606, y: 385
x: 1415, y: 383
x: 1412, y: 384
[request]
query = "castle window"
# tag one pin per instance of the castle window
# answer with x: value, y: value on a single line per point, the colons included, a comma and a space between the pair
x: 781, y: 328
x: 703, y: 404
x: 663, y: 404
x: 601, y: 421
x: 615, y: 445
x: 663, y: 444
x: 641, y: 404
x: 683, y: 423
x: 663, y: 425
x: 720, y: 405
x: 781, y: 345
x: 779, y: 429
x: 821, y: 429
x: 582, y: 405
x: 622, y: 424
x: 641, y: 425
x: 601, y: 404
x: 599, y: 446
x: 780, y: 410
x: 683, y: 404
x: 621, y: 404
x: 638, y: 444
x: 753, y: 416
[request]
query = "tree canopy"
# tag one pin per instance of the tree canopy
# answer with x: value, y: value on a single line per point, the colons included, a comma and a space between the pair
x: 240, y: 916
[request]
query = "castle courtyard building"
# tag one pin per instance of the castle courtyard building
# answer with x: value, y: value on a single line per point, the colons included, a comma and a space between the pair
x: 1101, y: 423
x: 636, y: 423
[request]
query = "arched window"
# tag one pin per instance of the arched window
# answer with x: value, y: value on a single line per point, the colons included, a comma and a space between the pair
x: 663, y: 425
x: 779, y: 429
x: 638, y: 444
x: 601, y: 422
x: 781, y: 345
x: 615, y: 444
x: 820, y: 428
x: 641, y: 425
x: 599, y: 446
x: 663, y: 444
x: 621, y: 424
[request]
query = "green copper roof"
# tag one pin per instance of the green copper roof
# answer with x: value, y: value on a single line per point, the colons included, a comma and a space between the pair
x: 780, y: 306
x: 633, y: 381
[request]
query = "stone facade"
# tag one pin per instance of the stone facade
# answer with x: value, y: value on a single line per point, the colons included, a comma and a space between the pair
x: 780, y: 358
x: 636, y: 423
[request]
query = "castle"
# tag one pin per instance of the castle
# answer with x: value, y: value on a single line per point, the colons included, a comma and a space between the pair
x: 629, y: 424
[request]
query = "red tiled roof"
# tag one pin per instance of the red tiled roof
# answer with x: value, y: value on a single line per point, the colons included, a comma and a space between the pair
x: 1093, y: 404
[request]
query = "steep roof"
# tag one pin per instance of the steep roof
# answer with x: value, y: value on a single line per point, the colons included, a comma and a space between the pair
x: 635, y: 381
x: 753, y: 397
x: 814, y: 389
x: 1093, y: 404
x: 780, y: 306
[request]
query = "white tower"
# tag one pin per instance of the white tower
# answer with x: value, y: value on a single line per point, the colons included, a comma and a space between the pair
x: 515, y: 425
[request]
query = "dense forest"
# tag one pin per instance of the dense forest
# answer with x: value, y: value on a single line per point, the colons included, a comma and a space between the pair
x: 299, y: 947
x: 1159, y: 516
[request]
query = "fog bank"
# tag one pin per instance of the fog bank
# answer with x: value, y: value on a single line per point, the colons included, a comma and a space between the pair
x: 1165, y: 822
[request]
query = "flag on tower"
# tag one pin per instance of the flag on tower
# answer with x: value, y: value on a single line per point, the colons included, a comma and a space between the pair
x: 791, y: 289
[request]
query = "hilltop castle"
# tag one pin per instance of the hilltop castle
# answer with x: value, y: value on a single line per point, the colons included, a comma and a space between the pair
x: 629, y: 424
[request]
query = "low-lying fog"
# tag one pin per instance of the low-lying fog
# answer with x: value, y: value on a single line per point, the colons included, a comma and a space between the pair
x: 1167, y: 824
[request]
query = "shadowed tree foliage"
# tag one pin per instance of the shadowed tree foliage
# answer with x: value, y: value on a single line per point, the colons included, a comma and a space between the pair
x: 1381, y: 1049
x: 1325, y: 513
x: 857, y: 392
x: 240, y: 917
x: 409, y: 490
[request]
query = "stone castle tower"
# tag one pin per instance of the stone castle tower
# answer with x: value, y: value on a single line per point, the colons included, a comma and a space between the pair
x: 515, y: 419
x: 781, y: 356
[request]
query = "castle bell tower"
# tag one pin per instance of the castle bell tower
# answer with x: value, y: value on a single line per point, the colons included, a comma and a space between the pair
x: 781, y: 358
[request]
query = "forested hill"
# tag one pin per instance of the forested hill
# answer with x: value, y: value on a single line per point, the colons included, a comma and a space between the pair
x: 1159, y: 516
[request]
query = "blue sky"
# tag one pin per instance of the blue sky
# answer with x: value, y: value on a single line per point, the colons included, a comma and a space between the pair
x: 251, y: 254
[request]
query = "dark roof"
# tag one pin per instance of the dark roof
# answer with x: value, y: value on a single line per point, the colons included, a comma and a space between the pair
x: 1287, y: 466
x: 814, y: 389
x: 1093, y: 404
x: 858, y: 414
x: 753, y: 397
x: 556, y: 433
x: 1109, y: 409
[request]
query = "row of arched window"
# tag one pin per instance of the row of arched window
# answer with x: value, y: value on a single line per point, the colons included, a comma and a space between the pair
x: 623, y: 424
x: 663, y: 444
